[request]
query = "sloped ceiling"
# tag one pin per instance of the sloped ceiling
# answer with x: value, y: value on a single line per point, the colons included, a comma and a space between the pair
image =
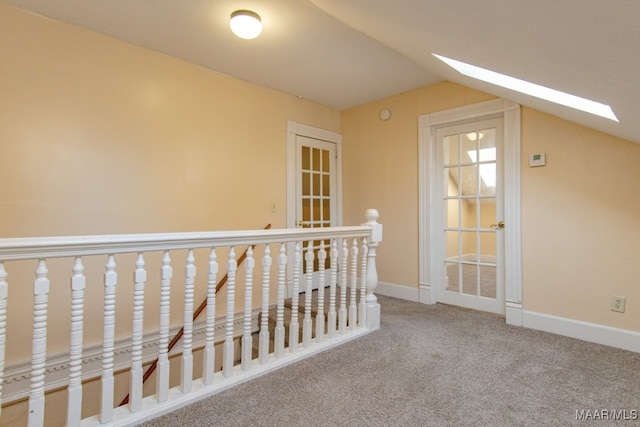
x: 347, y: 53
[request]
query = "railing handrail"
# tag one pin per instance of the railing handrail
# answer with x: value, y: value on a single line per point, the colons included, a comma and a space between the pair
x: 23, y: 248
x: 282, y: 251
x: 151, y: 369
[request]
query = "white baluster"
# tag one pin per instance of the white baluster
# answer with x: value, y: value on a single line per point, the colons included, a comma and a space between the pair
x: 4, y: 294
x: 209, y: 357
x: 322, y: 256
x: 353, y: 308
x: 162, y: 377
x: 247, y: 340
x: 333, y: 280
x: 282, y: 277
x: 186, y: 370
x: 363, y: 284
x: 294, y: 327
x: 307, y: 324
x: 227, y: 353
x: 39, y: 351
x: 342, y: 313
x: 373, y: 308
x: 107, y: 380
x: 74, y: 405
x: 135, y: 386
x: 263, y: 352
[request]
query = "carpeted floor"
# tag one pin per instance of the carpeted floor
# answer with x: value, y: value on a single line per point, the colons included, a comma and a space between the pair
x: 434, y: 366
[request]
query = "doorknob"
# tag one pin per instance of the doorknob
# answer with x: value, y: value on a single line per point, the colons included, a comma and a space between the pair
x: 498, y: 226
x: 303, y: 223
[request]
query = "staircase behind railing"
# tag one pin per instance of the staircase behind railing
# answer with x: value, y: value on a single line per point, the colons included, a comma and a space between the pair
x: 286, y: 258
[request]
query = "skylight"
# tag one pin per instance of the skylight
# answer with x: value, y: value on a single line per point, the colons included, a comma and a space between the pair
x: 487, y: 170
x: 532, y: 89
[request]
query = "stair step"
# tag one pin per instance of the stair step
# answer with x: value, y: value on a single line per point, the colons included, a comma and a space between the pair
x: 288, y: 305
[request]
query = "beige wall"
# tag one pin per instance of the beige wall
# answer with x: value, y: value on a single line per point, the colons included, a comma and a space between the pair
x: 381, y: 170
x: 580, y: 235
x: 581, y: 222
x: 101, y: 137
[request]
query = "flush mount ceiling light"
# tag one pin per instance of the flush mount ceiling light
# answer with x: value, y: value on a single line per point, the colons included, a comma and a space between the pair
x: 245, y: 24
x: 531, y: 89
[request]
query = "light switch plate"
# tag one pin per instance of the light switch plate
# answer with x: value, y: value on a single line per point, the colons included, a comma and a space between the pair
x: 537, y: 159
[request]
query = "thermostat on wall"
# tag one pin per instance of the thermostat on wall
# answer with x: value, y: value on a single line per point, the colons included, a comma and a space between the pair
x: 537, y: 159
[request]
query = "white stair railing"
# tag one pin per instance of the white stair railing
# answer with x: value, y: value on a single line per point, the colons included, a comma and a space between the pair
x: 100, y: 358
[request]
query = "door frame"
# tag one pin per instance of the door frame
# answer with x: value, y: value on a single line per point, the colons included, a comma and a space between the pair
x: 512, y: 198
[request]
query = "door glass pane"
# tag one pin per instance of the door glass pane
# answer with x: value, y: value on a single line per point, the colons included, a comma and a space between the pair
x: 452, y: 214
x: 316, y: 184
x: 469, y: 147
x: 469, y: 176
x: 452, y: 276
x: 487, y: 145
x: 306, y: 184
x: 316, y: 159
x: 306, y: 212
x: 488, y: 247
x: 469, y: 278
x: 306, y: 158
x: 451, y: 182
x: 326, y: 187
x: 487, y: 155
x: 325, y: 160
x: 469, y: 213
x: 488, y: 281
x: 487, y: 213
x: 469, y: 245
x: 488, y: 179
x: 316, y: 210
x: 451, y: 150
x: 326, y: 209
x: 452, y: 242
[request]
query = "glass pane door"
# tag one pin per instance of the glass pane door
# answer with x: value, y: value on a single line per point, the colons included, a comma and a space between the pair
x: 317, y: 188
x: 470, y: 197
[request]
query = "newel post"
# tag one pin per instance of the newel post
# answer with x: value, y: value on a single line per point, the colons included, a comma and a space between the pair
x: 373, y: 308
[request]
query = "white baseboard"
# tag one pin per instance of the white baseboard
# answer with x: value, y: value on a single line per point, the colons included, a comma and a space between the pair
x: 427, y: 294
x: 613, y: 337
x: 17, y: 375
x: 398, y: 291
x: 513, y: 313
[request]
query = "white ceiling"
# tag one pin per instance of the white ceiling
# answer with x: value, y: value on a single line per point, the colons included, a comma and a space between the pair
x: 343, y: 53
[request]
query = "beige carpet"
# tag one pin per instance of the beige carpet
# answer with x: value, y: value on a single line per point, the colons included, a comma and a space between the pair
x: 434, y: 366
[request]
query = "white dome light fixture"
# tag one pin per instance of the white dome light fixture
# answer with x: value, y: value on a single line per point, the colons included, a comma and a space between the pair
x: 245, y: 24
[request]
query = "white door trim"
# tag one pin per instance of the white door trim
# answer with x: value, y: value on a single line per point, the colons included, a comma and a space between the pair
x: 512, y: 205
x: 294, y: 129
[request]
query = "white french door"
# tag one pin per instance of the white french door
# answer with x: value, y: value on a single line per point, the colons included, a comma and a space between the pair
x: 316, y: 193
x: 469, y: 267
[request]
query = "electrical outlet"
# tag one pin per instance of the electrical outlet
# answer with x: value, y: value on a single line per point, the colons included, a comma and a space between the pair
x: 618, y: 303
x: 274, y: 207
